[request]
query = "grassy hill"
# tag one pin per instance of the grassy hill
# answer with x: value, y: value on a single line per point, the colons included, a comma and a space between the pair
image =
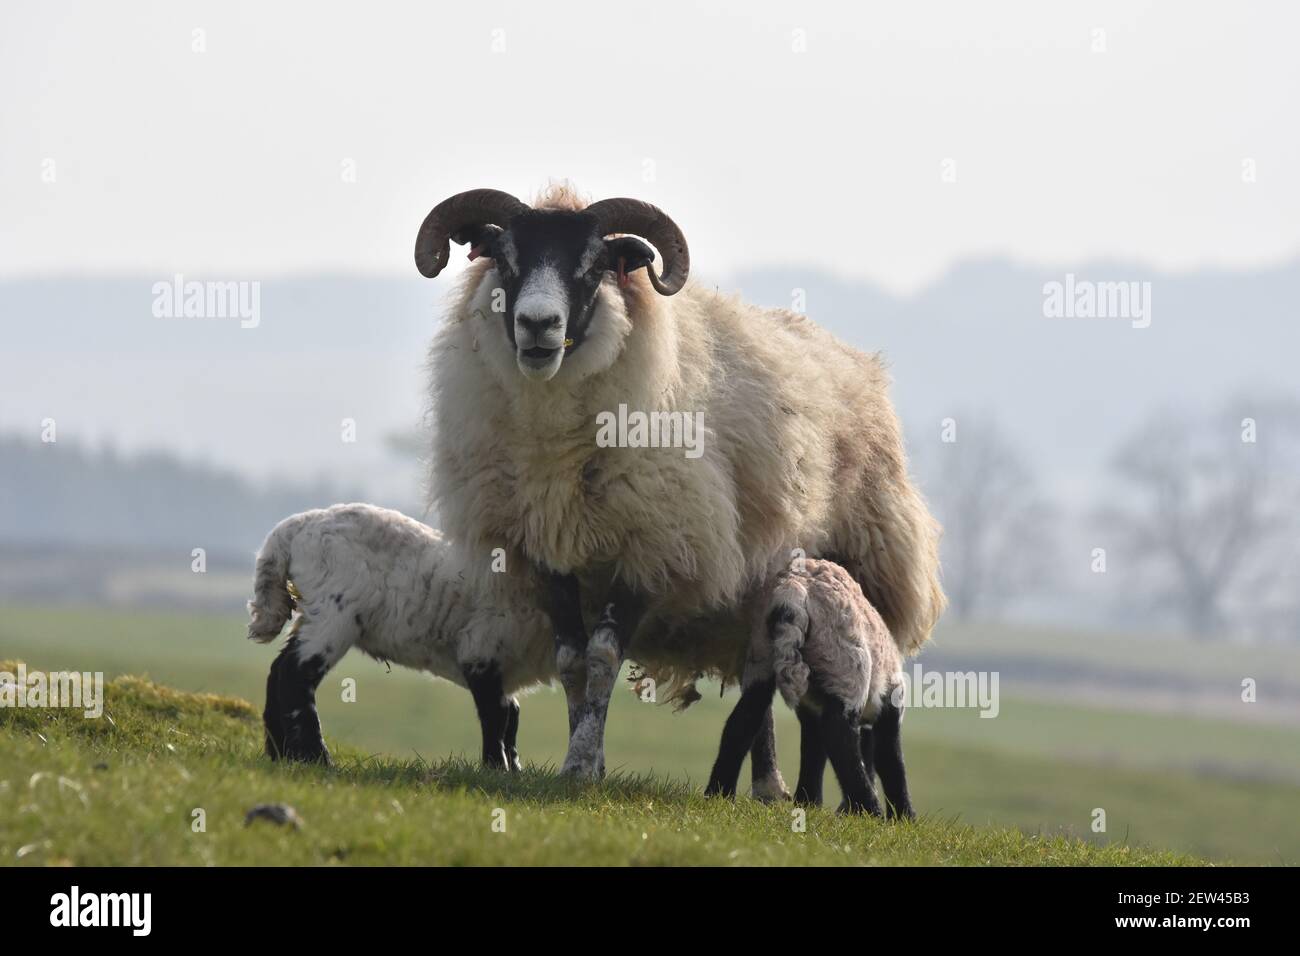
x: 1209, y: 788
x: 125, y: 791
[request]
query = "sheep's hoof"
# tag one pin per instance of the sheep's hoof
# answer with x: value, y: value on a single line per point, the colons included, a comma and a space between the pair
x: 770, y: 789
x: 582, y: 767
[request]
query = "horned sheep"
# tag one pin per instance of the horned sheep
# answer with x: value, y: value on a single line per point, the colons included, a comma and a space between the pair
x: 564, y: 320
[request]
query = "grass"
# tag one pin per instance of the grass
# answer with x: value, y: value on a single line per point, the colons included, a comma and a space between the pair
x: 125, y: 791
x: 1209, y: 788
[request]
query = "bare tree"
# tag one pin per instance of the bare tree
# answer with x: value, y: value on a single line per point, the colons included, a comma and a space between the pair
x: 1210, y: 508
x: 998, y: 530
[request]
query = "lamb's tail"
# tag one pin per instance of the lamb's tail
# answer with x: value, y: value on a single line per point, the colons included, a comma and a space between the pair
x: 787, y: 626
x: 272, y: 603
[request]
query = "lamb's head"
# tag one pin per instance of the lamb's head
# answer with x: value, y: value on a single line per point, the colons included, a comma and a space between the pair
x: 551, y: 264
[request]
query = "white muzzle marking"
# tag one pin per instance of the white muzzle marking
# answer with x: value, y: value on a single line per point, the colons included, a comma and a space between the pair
x: 541, y: 313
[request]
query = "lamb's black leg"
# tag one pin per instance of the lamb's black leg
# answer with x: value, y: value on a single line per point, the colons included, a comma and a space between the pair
x: 812, y: 759
x: 512, y: 734
x: 767, y: 783
x: 272, y: 718
x: 484, y: 684
x: 570, y: 643
x: 738, y: 736
x: 867, y: 749
x: 888, y: 751
x: 292, y: 723
x: 843, y: 746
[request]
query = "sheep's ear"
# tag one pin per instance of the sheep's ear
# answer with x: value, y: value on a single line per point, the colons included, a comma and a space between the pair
x: 634, y: 254
x: 480, y: 238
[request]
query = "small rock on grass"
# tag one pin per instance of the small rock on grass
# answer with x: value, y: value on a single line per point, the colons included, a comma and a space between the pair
x: 281, y: 814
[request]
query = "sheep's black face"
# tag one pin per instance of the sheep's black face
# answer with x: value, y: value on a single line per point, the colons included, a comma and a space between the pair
x: 551, y: 264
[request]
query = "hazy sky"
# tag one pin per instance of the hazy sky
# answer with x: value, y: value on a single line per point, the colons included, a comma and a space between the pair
x: 232, y: 162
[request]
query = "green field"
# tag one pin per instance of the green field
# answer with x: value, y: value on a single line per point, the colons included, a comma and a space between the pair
x: 170, y: 778
x: 1209, y: 788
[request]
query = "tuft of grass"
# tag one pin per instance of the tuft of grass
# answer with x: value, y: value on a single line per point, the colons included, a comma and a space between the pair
x: 166, y: 778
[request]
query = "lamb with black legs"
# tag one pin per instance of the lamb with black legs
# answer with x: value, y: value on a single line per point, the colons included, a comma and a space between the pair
x: 374, y: 579
x: 824, y: 647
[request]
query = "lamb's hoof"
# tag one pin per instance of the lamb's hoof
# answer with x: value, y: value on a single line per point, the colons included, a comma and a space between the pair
x: 770, y: 789
x: 859, y: 808
x: 321, y: 756
x: 307, y: 751
x: 514, y: 765
x: 715, y: 789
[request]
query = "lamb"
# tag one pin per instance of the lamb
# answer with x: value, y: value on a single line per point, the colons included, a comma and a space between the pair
x: 822, y: 644
x: 374, y: 579
x: 565, y: 320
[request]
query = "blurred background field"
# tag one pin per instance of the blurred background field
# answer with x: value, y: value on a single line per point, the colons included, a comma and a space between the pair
x: 1222, y: 784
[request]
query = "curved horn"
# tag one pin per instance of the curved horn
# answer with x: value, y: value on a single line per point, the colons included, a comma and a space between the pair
x: 652, y: 224
x: 445, y: 220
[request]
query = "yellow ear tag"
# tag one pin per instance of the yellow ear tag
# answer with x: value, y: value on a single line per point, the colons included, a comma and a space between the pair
x: 568, y: 343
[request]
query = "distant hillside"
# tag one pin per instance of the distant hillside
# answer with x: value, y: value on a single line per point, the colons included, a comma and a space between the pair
x: 322, y: 400
x: 1067, y: 389
x: 268, y: 401
x: 63, y: 494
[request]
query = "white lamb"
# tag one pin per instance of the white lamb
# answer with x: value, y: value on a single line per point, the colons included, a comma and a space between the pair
x: 377, y: 580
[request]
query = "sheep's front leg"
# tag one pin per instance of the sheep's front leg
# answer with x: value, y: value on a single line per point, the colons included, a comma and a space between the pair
x: 570, y: 644
x: 605, y: 653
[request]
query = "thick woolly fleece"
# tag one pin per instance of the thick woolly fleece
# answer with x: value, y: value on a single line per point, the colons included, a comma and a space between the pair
x: 824, y: 643
x: 802, y: 450
x: 377, y: 580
